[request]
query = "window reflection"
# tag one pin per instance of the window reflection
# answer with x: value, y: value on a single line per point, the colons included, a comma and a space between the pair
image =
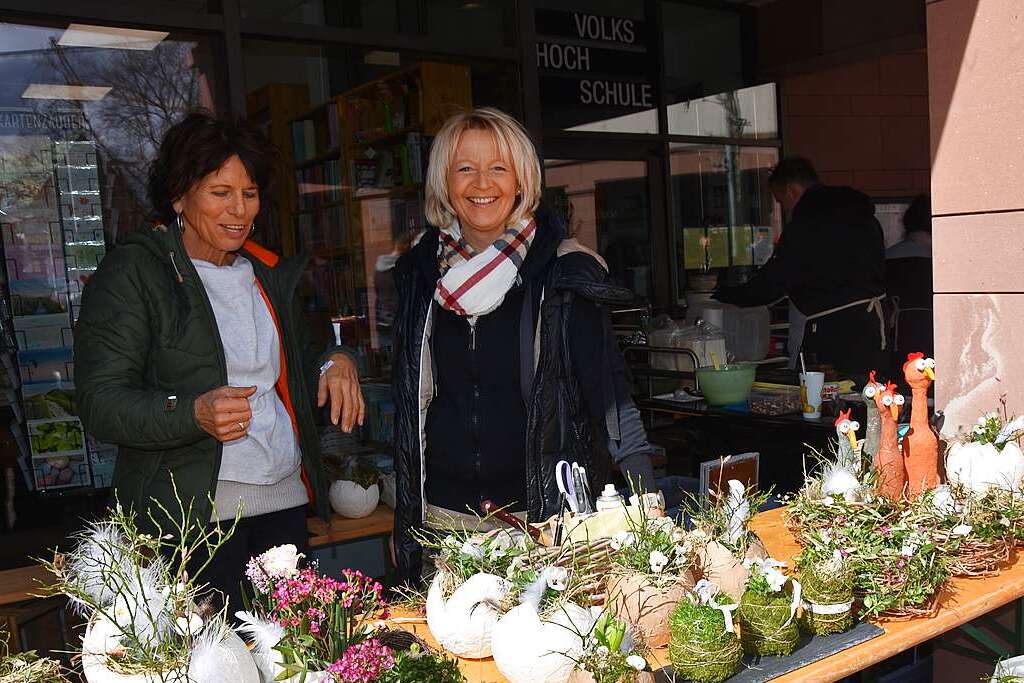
x: 725, y: 213
x: 605, y: 206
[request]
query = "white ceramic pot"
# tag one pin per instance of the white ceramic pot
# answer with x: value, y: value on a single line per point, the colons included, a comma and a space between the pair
x: 463, y: 623
x: 1009, y: 669
x: 351, y: 500
x: 230, y: 660
x: 530, y: 650
x: 979, y: 467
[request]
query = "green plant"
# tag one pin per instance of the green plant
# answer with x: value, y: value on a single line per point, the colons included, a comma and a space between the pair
x: 604, y: 658
x: 767, y: 611
x: 827, y: 579
x: 418, y: 665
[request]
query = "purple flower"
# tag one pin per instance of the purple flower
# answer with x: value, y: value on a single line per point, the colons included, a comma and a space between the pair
x: 363, y: 662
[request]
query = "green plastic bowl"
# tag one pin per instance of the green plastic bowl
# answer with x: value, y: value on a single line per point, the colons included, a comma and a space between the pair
x: 729, y: 385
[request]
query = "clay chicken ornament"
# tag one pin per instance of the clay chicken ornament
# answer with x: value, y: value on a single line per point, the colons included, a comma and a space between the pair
x: 843, y: 477
x: 874, y: 425
x: 892, y: 472
x: 920, y: 445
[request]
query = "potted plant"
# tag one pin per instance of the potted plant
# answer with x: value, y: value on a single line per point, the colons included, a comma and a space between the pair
x: 725, y: 539
x: 826, y: 579
x: 704, y: 646
x: 471, y: 587
x: 146, y: 618
x: 767, y: 612
x: 305, y: 626
x: 652, y: 571
x: 540, y: 639
x: 355, y: 492
x: 988, y: 456
x: 611, y: 655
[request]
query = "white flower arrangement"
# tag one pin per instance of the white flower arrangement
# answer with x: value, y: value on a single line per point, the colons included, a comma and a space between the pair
x: 768, y: 569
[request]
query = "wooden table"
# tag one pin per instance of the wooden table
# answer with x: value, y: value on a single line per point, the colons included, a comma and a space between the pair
x: 381, y: 522
x: 962, y: 601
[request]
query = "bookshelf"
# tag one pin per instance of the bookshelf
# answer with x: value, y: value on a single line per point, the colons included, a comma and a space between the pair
x: 358, y: 166
x: 273, y: 107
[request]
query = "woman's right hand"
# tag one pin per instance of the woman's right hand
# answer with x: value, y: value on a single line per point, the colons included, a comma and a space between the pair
x: 224, y: 413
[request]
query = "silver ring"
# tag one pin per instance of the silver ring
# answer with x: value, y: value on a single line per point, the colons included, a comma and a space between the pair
x: 241, y: 425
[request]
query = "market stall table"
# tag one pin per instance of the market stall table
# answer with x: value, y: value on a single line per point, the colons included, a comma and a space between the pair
x: 962, y: 601
x: 380, y: 522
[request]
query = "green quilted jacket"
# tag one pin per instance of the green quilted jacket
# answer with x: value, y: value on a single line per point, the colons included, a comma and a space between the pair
x: 147, y: 344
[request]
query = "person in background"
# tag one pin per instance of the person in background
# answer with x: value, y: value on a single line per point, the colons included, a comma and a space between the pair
x: 830, y: 262
x: 505, y: 360
x: 192, y: 357
x: 908, y: 278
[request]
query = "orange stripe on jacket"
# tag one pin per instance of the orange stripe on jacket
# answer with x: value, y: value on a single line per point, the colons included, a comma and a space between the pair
x: 270, y: 259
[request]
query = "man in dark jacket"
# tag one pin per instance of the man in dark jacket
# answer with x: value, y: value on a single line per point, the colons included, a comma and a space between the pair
x: 830, y: 262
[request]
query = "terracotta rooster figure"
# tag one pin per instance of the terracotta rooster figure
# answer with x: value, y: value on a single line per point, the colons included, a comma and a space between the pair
x: 920, y: 445
x: 892, y: 473
x: 874, y: 424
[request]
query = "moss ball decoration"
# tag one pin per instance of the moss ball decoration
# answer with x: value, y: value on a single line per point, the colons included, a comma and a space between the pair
x: 766, y: 624
x: 825, y: 595
x: 701, y: 649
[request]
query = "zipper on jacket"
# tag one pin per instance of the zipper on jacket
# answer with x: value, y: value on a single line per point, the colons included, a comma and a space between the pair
x: 475, y: 410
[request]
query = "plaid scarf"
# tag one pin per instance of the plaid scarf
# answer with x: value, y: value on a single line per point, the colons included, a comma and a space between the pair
x: 473, y: 284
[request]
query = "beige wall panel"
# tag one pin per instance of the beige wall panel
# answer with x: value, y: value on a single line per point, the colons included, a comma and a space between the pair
x: 979, y: 354
x: 979, y: 253
x: 976, y: 77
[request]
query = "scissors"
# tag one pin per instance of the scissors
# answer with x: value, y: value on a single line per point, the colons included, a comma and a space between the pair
x: 563, y: 475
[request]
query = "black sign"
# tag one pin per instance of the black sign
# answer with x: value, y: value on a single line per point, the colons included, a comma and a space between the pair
x: 594, y: 61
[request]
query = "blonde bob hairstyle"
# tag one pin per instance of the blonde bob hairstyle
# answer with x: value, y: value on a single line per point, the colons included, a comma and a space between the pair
x: 515, y: 147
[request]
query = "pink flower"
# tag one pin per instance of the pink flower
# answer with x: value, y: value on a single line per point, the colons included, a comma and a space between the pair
x: 363, y: 662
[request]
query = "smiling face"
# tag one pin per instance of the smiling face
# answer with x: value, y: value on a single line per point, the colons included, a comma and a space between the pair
x: 482, y: 187
x: 218, y: 212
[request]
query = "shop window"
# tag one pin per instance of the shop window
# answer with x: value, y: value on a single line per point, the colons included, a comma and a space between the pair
x: 703, y: 51
x: 355, y: 126
x: 725, y: 215
x: 470, y: 23
x: 606, y: 206
x: 82, y: 111
x: 748, y: 113
x: 597, y: 66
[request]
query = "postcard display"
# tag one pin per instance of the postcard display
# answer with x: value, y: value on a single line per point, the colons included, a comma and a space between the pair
x: 52, y: 225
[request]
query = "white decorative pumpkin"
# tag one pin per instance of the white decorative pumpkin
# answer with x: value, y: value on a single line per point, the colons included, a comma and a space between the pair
x: 228, y: 660
x: 462, y: 624
x: 980, y: 467
x: 530, y: 650
x: 351, y: 500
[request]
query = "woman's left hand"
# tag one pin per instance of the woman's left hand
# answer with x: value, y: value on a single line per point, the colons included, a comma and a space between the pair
x: 341, y: 382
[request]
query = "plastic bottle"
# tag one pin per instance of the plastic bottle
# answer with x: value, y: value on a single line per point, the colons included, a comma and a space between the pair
x: 609, y: 498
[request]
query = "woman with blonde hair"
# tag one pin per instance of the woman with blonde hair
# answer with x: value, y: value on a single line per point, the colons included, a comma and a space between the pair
x: 505, y: 360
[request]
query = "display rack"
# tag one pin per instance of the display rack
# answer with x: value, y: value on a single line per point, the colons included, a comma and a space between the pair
x: 53, y: 240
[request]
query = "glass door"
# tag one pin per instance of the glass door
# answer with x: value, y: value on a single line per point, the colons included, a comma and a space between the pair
x: 612, y: 202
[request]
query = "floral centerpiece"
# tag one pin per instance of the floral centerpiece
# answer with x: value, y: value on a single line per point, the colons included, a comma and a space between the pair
x: 979, y: 530
x: 704, y: 646
x: 653, y: 570
x: 308, y: 626
x: 611, y: 655
x: 147, y: 619
x: 826, y: 579
x: 767, y: 612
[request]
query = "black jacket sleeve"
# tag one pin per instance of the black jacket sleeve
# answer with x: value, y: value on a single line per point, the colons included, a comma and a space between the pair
x: 601, y: 372
x: 768, y: 285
